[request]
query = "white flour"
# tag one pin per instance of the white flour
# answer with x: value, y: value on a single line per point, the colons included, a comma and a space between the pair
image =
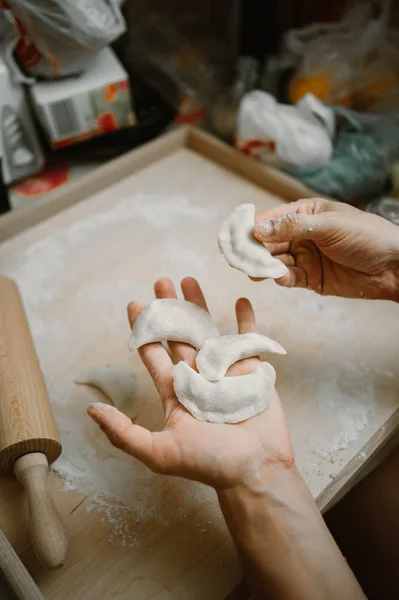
x: 44, y: 270
x: 342, y: 386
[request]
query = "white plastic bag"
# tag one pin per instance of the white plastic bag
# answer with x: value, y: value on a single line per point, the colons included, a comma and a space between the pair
x: 56, y: 37
x: 291, y: 137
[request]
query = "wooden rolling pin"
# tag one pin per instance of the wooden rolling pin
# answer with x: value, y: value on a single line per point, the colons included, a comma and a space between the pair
x: 28, y: 435
x: 15, y: 573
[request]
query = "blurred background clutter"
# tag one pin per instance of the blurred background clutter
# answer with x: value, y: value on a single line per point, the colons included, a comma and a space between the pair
x: 310, y: 88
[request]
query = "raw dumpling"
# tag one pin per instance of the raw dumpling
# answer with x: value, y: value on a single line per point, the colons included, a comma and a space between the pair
x: 170, y: 319
x: 218, y: 354
x: 231, y: 400
x: 242, y: 251
x: 117, y: 381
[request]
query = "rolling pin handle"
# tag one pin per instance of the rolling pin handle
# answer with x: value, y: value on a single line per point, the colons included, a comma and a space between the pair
x: 15, y: 573
x: 49, y: 539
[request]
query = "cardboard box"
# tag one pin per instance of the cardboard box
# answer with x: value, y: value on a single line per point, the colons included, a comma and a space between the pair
x: 20, y: 151
x: 93, y: 103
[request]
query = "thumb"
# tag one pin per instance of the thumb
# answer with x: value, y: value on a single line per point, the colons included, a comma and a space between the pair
x: 122, y: 433
x: 289, y: 227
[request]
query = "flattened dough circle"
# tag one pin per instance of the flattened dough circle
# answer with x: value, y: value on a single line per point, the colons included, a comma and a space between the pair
x: 242, y: 251
x: 231, y: 400
x: 170, y: 319
x: 218, y: 354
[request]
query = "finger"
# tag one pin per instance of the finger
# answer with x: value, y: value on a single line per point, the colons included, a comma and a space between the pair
x: 156, y: 360
x: 246, y: 324
x: 292, y: 226
x: 288, y: 259
x: 245, y: 316
x: 295, y: 277
x: 121, y: 432
x: 192, y: 292
x: 164, y: 288
x: 304, y: 205
x: 277, y: 211
x: 307, y: 257
x: 278, y: 248
x: 133, y: 311
x: 153, y: 449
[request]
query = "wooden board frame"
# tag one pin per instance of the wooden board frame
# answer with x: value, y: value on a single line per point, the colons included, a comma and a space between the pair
x: 194, y: 139
x: 268, y: 178
x: 265, y: 177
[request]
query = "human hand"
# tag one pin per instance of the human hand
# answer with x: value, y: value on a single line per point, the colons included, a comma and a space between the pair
x: 333, y: 248
x: 220, y: 455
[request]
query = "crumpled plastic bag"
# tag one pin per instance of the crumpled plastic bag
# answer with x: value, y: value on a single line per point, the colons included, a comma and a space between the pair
x: 365, y: 149
x: 56, y: 37
x: 294, y: 138
x: 354, y: 63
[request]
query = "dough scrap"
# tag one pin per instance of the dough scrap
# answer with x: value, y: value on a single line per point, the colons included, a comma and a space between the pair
x: 218, y: 354
x: 242, y: 251
x: 170, y: 319
x: 117, y: 381
x: 231, y: 400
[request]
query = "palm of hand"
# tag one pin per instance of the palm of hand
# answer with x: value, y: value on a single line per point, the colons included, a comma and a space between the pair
x: 219, y: 455
x: 224, y: 455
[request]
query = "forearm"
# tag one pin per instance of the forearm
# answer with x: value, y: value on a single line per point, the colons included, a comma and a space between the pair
x: 285, y: 546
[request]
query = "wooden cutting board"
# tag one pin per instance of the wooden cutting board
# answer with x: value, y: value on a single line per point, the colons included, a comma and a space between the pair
x: 155, y: 212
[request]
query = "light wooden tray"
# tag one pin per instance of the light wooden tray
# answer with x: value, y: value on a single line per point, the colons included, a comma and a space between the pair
x: 103, y: 240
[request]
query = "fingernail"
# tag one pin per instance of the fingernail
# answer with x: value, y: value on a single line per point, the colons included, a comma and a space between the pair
x: 98, y: 406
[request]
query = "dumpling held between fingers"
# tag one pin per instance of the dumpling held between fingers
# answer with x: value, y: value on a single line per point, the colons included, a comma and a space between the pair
x: 231, y: 400
x: 170, y: 319
x: 242, y: 251
x: 218, y: 354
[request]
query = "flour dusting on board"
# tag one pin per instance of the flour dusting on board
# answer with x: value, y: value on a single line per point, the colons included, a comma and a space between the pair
x: 159, y: 212
x: 97, y: 263
x: 45, y: 270
x: 343, y: 384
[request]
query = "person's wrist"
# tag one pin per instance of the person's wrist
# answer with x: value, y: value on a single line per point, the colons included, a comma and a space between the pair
x: 275, y: 522
x: 263, y: 506
x: 272, y: 486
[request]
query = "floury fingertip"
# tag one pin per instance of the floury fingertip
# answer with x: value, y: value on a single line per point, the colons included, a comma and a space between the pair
x: 100, y: 405
x: 265, y: 227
